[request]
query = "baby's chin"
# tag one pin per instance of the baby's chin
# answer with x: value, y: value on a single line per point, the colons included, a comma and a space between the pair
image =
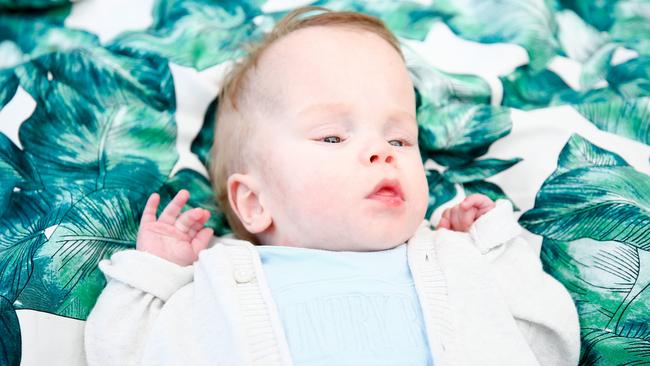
x: 373, y: 247
x: 384, y: 238
x: 349, y: 237
x: 361, y: 244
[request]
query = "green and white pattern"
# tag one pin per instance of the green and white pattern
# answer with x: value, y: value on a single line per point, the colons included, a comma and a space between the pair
x: 545, y: 103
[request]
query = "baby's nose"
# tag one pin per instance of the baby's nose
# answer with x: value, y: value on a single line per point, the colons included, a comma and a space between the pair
x: 379, y: 152
x: 378, y: 158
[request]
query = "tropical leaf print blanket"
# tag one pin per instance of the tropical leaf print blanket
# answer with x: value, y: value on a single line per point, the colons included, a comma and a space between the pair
x: 542, y: 102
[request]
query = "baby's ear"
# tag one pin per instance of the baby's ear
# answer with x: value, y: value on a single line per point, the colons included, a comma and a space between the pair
x: 243, y: 194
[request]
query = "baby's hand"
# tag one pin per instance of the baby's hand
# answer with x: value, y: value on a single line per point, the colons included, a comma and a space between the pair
x: 178, y: 239
x: 462, y: 216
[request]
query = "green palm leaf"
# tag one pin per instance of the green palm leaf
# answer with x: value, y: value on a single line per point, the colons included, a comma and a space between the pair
x: 604, y: 348
x: 10, y: 342
x: 439, y: 88
x: 22, y: 233
x: 587, y: 45
x: 603, y: 202
x: 527, y: 23
x: 196, y: 33
x: 609, y: 283
x: 599, y: 95
x: 66, y: 280
x: 106, y: 77
x: 408, y: 19
x: 456, y: 134
x: 632, y: 25
x: 36, y: 33
x: 527, y: 89
x: 17, y: 247
x: 440, y: 191
x: 87, y: 134
x: 599, y: 14
x: 578, y: 40
x: 16, y: 171
x: 599, y: 274
x: 59, y: 39
x: 8, y: 85
x: 12, y: 55
x: 595, y: 69
x: 31, y: 4
x: 580, y: 153
x: 202, y: 144
x: 73, y: 145
x: 632, y: 78
x: 478, y: 170
x: 593, y: 212
x: 628, y: 118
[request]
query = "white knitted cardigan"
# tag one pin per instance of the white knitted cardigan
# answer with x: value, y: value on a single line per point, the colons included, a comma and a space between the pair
x: 484, y: 297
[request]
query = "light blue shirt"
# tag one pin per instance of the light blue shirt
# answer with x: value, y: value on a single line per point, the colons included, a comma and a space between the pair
x: 347, y: 308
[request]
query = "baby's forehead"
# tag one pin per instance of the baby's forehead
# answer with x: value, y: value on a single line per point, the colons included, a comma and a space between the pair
x: 301, y: 42
x: 311, y: 44
x: 324, y: 57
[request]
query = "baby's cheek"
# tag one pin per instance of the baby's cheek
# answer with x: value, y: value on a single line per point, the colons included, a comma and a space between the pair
x: 418, y: 191
x: 323, y: 196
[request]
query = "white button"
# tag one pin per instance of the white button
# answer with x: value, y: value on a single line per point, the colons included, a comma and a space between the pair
x: 243, y: 276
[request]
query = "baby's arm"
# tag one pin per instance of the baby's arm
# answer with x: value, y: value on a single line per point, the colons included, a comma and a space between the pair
x: 462, y: 216
x: 542, y: 308
x: 139, y: 282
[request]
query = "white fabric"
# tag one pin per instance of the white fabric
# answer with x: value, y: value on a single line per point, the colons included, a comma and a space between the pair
x: 488, y: 305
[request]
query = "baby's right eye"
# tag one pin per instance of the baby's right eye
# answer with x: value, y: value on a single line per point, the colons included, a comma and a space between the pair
x: 331, y: 139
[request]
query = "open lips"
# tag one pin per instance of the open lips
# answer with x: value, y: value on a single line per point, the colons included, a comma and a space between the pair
x: 387, y: 191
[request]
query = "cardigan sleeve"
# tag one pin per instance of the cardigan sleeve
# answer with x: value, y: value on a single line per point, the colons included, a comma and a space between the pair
x: 138, y: 285
x: 542, y: 308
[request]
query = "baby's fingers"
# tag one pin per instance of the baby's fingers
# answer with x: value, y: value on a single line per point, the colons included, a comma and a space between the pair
x: 192, y: 221
x: 481, y: 211
x: 481, y: 202
x: 476, y: 200
x: 170, y: 213
x: 199, y: 224
x: 202, y: 240
x: 467, y: 218
x: 444, y: 223
x: 454, y: 218
x: 149, y: 213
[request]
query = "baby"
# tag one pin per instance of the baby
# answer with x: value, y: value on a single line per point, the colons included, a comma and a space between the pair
x: 316, y: 165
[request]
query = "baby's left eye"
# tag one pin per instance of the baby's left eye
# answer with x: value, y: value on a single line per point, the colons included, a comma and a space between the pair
x: 397, y: 142
x: 331, y: 139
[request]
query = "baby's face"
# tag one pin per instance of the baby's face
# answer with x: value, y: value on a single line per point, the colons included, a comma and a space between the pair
x: 341, y: 166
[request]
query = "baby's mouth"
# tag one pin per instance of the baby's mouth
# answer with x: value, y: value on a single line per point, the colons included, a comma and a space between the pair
x: 387, y: 191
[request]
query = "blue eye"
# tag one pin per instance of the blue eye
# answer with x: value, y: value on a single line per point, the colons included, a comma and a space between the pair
x: 396, y: 142
x: 331, y: 139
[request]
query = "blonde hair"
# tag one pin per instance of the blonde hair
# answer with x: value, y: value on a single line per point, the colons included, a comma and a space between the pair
x: 230, y: 151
